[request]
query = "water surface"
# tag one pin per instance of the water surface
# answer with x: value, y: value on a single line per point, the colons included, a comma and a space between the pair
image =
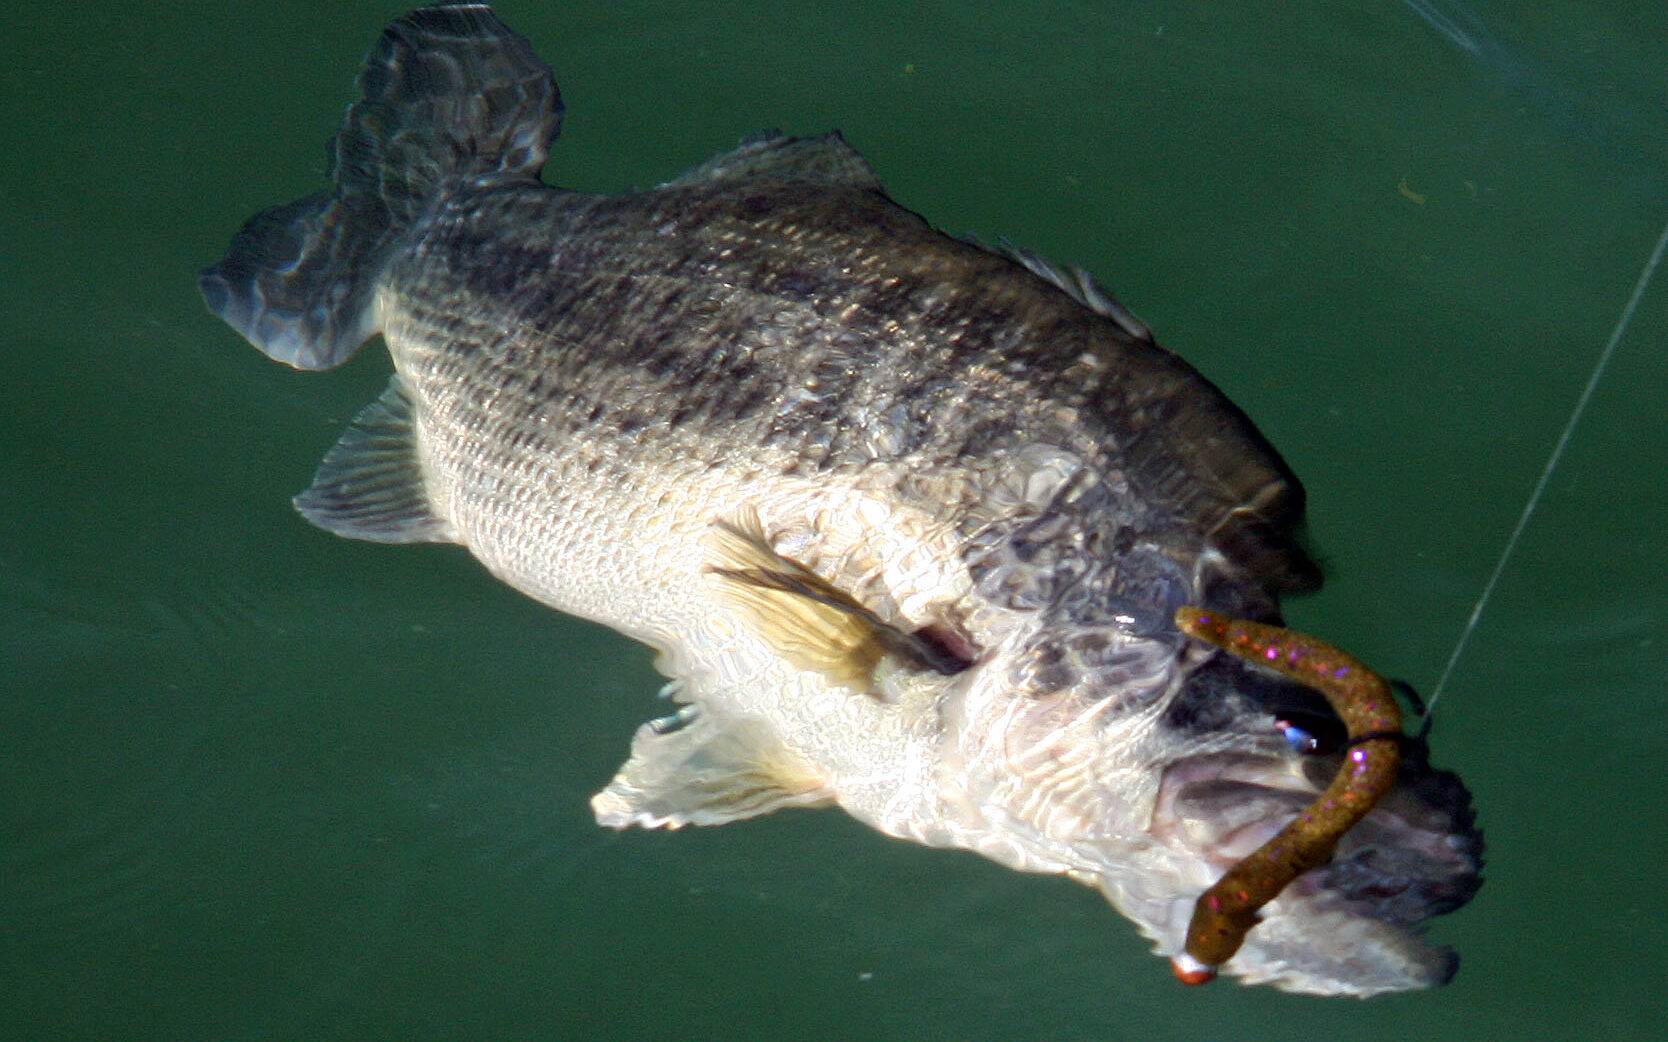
x: 261, y: 783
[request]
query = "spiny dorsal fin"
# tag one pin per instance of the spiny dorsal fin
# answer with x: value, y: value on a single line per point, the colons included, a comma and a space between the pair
x: 370, y: 485
x: 813, y: 623
x: 773, y: 156
x: 1082, y: 287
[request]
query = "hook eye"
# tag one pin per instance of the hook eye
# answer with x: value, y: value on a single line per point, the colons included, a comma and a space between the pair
x: 1301, y: 741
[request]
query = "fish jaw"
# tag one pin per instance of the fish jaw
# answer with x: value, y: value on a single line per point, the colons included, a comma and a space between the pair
x: 1097, y: 781
x: 1350, y: 927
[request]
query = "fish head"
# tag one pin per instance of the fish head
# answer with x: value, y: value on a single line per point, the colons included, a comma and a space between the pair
x: 1147, y: 766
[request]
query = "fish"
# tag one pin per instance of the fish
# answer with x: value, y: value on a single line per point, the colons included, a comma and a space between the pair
x: 907, y: 517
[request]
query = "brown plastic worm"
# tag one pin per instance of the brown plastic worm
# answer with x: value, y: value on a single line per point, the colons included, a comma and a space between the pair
x: 1227, y: 911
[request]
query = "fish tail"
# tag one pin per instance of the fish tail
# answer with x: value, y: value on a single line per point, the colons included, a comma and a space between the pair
x: 449, y: 97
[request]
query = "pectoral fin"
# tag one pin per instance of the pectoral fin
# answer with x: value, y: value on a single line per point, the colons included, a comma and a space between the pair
x: 813, y: 623
x: 710, y: 771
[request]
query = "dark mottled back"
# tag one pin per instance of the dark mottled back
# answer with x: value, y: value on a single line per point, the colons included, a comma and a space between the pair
x: 776, y: 303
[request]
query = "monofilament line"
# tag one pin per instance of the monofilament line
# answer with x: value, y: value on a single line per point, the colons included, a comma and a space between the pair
x: 1552, y: 461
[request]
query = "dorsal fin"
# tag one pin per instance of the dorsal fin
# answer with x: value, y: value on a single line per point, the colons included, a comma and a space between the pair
x: 1195, y: 448
x: 773, y: 156
x: 1082, y: 287
x: 370, y: 485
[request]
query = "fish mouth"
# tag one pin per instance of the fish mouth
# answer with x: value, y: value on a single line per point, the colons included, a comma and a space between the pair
x: 1352, y: 925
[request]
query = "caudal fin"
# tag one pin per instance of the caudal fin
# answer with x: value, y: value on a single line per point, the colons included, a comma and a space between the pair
x: 450, y: 96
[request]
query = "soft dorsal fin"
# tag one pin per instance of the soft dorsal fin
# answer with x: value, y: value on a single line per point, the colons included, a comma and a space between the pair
x: 370, y: 485
x: 811, y: 622
x: 773, y: 156
x: 714, y: 770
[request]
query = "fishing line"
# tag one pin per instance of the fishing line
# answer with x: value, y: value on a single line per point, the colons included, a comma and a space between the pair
x: 1552, y: 462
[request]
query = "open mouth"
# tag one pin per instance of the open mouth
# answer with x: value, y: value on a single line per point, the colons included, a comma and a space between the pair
x: 1418, y: 854
x: 1334, y: 891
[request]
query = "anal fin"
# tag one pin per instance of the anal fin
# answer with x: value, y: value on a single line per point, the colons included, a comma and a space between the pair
x: 711, y: 771
x: 370, y: 485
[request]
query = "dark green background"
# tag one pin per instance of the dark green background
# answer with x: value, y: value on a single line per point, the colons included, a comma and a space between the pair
x: 260, y: 783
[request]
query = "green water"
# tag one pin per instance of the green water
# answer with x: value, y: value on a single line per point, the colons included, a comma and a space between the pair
x: 260, y: 783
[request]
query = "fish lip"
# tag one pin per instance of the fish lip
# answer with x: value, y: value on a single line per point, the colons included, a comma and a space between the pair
x: 1417, y: 855
x: 1354, y: 926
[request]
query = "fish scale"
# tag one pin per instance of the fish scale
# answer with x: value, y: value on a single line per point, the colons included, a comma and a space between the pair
x: 908, y: 519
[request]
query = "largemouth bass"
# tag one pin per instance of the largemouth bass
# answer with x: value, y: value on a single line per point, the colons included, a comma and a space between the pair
x: 907, y: 518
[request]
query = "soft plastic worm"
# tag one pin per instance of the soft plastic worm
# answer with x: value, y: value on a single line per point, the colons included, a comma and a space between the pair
x: 1372, y: 758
